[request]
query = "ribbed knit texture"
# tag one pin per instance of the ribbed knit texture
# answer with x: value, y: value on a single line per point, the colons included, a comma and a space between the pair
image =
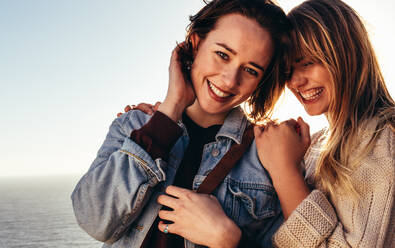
x: 344, y: 222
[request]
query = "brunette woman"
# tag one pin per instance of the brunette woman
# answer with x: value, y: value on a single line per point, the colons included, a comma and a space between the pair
x: 234, y: 52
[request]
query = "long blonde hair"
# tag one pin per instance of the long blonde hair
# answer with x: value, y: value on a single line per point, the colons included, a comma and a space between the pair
x: 331, y: 32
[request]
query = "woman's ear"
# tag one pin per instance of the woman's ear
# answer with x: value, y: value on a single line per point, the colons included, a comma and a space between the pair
x: 195, y: 40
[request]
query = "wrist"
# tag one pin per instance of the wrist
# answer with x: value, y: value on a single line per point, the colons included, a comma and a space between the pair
x: 291, y: 190
x: 283, y: 171
x: 229, y: 235
x: 287, y: 176
x: 172, y: 110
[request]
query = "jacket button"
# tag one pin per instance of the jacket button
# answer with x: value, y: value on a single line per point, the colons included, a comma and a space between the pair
x: 140, y: 227
x: 215, y: 152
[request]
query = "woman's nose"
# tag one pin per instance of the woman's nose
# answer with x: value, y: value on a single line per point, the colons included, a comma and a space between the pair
x: 231, y: 77
x: 297, y: 80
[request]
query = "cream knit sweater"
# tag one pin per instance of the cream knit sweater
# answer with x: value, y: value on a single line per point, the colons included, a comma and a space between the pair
x: 342, y: 222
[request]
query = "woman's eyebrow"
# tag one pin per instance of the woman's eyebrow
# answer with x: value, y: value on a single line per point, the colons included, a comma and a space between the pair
x: 235, y: 53
x: 257, y: 66
x: 227, y: 48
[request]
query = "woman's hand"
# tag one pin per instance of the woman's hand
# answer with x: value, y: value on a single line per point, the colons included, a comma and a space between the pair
x: 281, y: 146
x: 145, y: 107
x: 281, y: 149
x: 198, y: 218
x: 180, y: 94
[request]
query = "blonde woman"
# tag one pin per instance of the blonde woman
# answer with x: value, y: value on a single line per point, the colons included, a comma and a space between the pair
x: 343, y: 196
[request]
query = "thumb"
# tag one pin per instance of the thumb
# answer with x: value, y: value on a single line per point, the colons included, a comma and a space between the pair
x: 156, y: 106
x: 304, y: 131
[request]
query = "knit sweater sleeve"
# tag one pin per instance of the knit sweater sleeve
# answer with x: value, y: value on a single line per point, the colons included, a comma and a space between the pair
x: 345, y: 222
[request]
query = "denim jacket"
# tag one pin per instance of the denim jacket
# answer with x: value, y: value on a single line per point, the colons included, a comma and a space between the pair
x: 115, y: 201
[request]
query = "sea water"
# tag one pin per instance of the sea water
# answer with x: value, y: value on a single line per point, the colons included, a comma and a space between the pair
x: 36, y: 212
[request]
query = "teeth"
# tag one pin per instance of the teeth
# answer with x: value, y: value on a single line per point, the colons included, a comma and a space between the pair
x: 217, y: 91
x: 311, y: 94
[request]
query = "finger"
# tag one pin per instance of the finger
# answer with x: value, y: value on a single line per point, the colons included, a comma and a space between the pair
x: 128, y: 108
x: 167, y: 215
x: 119, y: 114
x: 146, y: 108
x: 171, y: 228
x: 304, y: 131
x: 156, y: 106
x: 294, y: 124
x: 180, y: 46
x: 213, y: 197
x: 177, y: 191
x: 274, y: 122
x: 269, y: 125
x: 291, y: 122
x: 174, y: 54
x: 167, y: 201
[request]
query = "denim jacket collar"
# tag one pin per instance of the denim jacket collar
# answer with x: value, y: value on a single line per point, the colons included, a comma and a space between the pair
x: 234, y: 125
x: 233, y: 128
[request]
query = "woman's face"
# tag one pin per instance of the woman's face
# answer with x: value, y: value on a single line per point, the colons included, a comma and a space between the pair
x: 311, y: 83
x: 229, y: 63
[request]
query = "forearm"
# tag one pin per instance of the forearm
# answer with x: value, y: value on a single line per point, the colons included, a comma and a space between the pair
x: 291, y: 189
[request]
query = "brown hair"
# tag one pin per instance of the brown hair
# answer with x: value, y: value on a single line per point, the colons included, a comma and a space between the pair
x: 331, y: 33
x: 272, y: 18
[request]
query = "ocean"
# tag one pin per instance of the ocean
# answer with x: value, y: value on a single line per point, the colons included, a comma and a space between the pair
x: 36, y: 212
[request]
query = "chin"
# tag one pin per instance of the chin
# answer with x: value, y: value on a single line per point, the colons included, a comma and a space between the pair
x: 214, y: 111
x: 314, y: 112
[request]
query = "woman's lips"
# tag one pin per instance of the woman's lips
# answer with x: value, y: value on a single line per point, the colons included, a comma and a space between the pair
x: 217, y: 94
x: 311, y: 95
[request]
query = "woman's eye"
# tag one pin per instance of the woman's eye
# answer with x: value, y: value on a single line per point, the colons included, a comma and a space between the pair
x: 251, y: 71
x: 307, y: 64
x: 222, y: 55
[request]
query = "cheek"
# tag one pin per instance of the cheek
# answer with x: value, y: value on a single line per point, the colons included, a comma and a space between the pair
x: 248, y: 90
x: 203, y: 66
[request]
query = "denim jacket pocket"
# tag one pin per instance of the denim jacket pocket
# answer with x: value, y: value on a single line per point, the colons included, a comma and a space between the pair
x: 250, y: 202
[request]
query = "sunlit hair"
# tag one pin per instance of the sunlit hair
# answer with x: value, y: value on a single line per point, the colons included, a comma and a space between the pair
x: 331, y: 33
x: 270, y: 17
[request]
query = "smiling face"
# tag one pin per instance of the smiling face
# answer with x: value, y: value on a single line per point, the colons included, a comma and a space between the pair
x: 229, y: 63
x: 311, y: 83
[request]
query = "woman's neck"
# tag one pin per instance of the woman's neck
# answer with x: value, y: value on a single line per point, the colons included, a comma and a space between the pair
x: 202, y: 118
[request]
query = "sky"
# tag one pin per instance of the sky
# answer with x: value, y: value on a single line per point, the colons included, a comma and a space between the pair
x: 68, y: 67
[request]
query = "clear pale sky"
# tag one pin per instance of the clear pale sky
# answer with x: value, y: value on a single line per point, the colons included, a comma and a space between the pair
x: 67, y: 68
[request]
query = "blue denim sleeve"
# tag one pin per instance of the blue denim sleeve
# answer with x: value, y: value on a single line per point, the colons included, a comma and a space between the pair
x: 111, y: 195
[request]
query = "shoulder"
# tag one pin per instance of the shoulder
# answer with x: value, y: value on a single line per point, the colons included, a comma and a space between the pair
x: 130, y: 121
x: 379, y: 141
x: 383, y: 151
x: 385, y: 144
x: 377, y: 168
